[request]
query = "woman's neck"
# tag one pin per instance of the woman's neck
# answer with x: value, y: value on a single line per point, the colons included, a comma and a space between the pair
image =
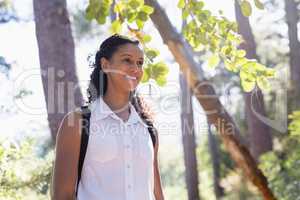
x: 117, y: 102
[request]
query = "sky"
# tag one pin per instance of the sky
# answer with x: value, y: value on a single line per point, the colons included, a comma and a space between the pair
x: 18, y: 45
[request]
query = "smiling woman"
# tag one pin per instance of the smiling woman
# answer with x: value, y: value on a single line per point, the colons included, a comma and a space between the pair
x: 124, y: 66
x: 121, y: 160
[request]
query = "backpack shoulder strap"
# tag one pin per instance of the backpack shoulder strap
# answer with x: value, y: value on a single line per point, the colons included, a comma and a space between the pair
x: 85, y: 113
x: 152, y: 132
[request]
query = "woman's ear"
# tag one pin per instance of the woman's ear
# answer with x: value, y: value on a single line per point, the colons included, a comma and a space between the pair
x: 104, y: 64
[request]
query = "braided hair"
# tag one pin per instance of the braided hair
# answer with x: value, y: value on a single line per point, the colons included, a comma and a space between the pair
x: 98, y: 80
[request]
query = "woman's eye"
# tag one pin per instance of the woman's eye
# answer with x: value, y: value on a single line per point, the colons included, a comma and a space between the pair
x: 140, y: 63
x: 127, y: 60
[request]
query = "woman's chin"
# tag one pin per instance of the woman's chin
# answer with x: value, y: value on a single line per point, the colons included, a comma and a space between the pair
x: 132, y: 84
x: 132, y: 87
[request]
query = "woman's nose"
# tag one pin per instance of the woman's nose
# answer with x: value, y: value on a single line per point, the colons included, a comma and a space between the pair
x: 135, y: 71
x: 135, y: 68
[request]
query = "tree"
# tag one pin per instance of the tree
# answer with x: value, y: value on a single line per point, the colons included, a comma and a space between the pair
x: 57, y: 60
x: 188, y: 141
x: 203, y: 30
x: 220, y: 118
x: 214, y: 152
x: 292, y: 19
x: 282, y: 165
x: 259, y: 132
x: 32, y: 182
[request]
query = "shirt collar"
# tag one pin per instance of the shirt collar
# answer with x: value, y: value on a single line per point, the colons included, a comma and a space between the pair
x: 102, y: 110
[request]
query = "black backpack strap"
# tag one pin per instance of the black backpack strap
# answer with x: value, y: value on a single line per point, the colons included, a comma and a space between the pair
x: 85, y: 113
x: 152, y: 132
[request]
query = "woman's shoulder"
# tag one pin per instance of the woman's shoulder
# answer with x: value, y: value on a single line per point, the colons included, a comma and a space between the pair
x: 74, y: 114
x: 70, y: 124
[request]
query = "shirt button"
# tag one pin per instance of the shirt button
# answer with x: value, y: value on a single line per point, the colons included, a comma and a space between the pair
x: 129, y: 186
x: 127, y: 146
x: 128, y: 166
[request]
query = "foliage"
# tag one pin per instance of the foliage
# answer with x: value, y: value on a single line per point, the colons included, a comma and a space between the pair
x: 133, y: 13
x: 294, y: 126
x: 231, y: 178
x: 157, y: 71
x: 218, y: 35
x: 5, y: 67
x: 172, y: 174
x: 203, y: 31
x: 282, y: 165
x: 23, y: 175
x: 7, y: 12
x: 246, y: 6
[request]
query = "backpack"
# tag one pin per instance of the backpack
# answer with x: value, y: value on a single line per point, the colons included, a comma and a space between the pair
x: 86, y: 114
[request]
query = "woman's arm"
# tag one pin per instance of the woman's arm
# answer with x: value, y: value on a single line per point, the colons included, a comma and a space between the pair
x: 66, y: 158
x: 158, y: 192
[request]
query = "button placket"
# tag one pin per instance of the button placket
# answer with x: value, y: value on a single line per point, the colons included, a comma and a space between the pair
x: 128, y: 165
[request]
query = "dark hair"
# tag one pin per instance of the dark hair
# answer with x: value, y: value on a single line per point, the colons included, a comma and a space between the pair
x: 98, y: 79
x: 98, y: 82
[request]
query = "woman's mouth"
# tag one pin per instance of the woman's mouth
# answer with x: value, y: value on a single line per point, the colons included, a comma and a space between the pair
x: 132, y: 80
x: 130, y: 77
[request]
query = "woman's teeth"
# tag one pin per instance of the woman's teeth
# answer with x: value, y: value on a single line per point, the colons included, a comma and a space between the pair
x: 130, y: 77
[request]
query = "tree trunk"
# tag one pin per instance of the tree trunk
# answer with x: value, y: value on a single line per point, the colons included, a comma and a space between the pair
x: 188, y: 140
x: 259, y: 132
x: 214, y: 152
x: 57, y: 60
x: 292, y: 19
x: 205, y: 94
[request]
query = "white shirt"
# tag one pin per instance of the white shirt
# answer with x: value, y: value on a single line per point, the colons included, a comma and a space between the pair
x: 119, y: 159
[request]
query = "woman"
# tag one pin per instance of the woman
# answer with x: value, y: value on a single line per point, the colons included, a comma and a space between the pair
x: 121, y: 162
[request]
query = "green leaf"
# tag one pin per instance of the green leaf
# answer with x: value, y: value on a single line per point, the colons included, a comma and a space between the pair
x: 151, y: 53
x: 240, y: 62
x: 139, y: 23
x: 241, y: 53
x: 89, y: 13
x: 161, y: 80
x: 157, y: 70
x: 101, y: 13
x: 294, y: 126
x: 131, y: 16
x: 134, y: 4
x: 143, y: 16
x: 101, y: 19
x: 181, y: 4
x: 246, y: 8
x: 248, y: 86
x: 202, y: 38
x: 146, y: 75
x: 259, y: 4
x: 199, y: 5
x: 269, y: 73
x: 116, y: 26
x: 185, y: 13
x: 146, y: 38
x: 263, y: 83
x: 207, y: 13
x: 147, y: 9
x: 161, y: 69
x: 229, y: 66
x: 213, y: 61
x: 119, y: 7
x: 226, y: 50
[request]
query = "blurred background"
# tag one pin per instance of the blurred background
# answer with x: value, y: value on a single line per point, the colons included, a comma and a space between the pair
x: 36, y: 36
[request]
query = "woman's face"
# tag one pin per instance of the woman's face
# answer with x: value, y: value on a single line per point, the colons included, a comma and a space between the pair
x: 125, y: 68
